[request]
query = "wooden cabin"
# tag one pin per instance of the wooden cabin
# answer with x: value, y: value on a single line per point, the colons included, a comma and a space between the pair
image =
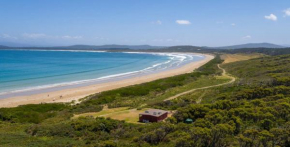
x: 153, y: 115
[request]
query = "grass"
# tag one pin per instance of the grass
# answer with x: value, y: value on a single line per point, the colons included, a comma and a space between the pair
x: 121, y: 113
x: 103, y: 112
x: 228, y: 58
x: 194, y: 96
x: 131, y: 116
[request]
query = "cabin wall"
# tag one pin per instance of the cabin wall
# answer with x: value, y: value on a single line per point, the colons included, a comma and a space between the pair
x: 162, y: 117
x: 148, y: 117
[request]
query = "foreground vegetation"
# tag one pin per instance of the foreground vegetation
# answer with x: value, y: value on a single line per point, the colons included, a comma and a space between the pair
x: 254, y: 111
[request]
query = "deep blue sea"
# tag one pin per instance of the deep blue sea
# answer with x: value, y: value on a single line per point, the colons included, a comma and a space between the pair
x: 35, y: 69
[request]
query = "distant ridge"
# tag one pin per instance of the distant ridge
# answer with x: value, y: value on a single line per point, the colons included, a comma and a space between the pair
x: 251, y: 45
x: 14, y: 44
x: 4, y: 47
x: 287, y: 45
x: 149, y: 47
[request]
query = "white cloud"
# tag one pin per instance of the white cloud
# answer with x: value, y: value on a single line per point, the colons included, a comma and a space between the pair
x: 183, y: 22
x: 158, y: 40
x: 287, y: 12
x: 271, y: 17
x: 44, y: 36
x: 233, y: 24
x: 101, y: 38
x: 6, y: 36
x: 71, y: 37
x: 165, y: 40
x: 158, y: 22
x: 247, y: 37
x: 34, y: 36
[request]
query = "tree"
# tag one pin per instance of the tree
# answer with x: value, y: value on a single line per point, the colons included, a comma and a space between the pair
x: 219, y: 134
x: 266, y: 124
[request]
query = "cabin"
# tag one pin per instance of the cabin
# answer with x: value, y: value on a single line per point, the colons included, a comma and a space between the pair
x: 153, y: 115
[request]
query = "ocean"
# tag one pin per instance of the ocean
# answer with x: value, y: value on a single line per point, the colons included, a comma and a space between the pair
x: 30, y: 70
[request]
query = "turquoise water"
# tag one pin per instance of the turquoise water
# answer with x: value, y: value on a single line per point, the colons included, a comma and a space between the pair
x: 28, y: 70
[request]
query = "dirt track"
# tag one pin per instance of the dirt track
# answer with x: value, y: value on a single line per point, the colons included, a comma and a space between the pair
x: 233, y: 79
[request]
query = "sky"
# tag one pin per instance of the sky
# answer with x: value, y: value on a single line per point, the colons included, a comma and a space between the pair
x: 152, y: 22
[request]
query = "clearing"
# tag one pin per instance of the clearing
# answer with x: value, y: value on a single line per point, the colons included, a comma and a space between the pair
x: 121, y: 113
x: 228, y: 58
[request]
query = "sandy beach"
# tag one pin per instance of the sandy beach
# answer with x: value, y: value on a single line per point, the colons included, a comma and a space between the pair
x: 68, y: 95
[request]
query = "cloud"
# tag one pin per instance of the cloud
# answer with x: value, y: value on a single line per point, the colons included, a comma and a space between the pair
x: 165, y: 40
x: 44, y: 36
x: 34, y: 36
x: 158, y: 40
x: 158, y: 22
x: 183, y: 22
x: 233, y: 24
x: 101, y: 38
x: 71, y: 37
x: 287, y: 12
x: 6, y: 36
x: 247, y: 37
x: 271, y: 17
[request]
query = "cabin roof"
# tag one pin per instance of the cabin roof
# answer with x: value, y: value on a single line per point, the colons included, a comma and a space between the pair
x: 154, y: 112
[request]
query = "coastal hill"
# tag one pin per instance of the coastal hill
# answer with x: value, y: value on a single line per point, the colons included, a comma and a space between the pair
x: 14, y: 44
x: 251, y: 45
x: 4, y: 47
x: 196, y: 49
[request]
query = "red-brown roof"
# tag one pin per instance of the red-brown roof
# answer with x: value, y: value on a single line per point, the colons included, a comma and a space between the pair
x: 154, y: 112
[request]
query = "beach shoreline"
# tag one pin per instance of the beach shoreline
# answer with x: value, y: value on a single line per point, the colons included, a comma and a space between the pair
x: 70, y: 94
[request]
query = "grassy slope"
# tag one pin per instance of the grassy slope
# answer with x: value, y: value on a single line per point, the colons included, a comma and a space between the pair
x: 121, y: 113
x: 228, y: 58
